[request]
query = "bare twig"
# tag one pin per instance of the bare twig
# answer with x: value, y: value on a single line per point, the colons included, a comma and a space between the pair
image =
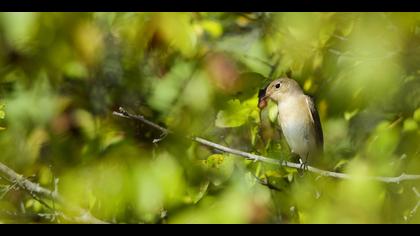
x: 38, y: 192
x: 266, y: 183
x: 123, y: 113
x: 415, y: 208
x: 7, y: 189
x: 250, y: 156
x: 254, y: 157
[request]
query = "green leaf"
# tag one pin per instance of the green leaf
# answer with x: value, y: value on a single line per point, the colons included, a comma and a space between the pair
x: 220, y: 167
x: 341, y: 164
x: 176, y: 29
x: 350, y: 114
x: 237, y: 113
x: 202, y: 192
x: 214, y: 28
x: 2, y: 114
x: 227, y: 119
x: 91, y: 200
x: 76, y: 70
x: 86, y: 122
x: 383, y: 141
x: 272, y: 173
x: 416, y: 115
x: 247, y: 84
x: 410, y: 125
x: 254, y: 132
x: 290, y: 177
x: 45, y: 175
x: 109, y: 139
x: 272, y: 111
x: 215, y: 160
x: 18, y: 27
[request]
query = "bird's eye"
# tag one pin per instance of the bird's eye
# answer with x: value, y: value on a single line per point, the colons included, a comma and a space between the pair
x: 278, y: 85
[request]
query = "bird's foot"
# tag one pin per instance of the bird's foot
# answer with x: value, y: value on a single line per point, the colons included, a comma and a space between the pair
x: 303, y: 167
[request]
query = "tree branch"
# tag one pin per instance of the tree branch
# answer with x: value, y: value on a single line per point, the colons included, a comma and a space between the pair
x: 35, y: 190
x: 250, y: 156
x: 126, y: 114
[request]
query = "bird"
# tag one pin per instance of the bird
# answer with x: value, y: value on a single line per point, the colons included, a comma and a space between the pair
x: 297, y: 116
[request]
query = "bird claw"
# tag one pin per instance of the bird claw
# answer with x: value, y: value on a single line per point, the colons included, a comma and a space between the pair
x: 303, y: 167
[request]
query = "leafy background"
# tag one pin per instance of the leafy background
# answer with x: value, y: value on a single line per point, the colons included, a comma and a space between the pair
x: 62, y: 75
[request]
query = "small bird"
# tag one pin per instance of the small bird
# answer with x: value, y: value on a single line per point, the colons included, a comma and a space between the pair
x: 297, y: 117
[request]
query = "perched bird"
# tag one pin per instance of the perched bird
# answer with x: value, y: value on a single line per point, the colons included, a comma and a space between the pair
x: 297, y: 117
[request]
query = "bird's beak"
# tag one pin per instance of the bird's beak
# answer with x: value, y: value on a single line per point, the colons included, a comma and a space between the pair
x: 262, y: 99
x: 262, y: 103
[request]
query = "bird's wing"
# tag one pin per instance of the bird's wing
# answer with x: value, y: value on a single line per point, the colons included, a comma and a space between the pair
x: 316, y: 121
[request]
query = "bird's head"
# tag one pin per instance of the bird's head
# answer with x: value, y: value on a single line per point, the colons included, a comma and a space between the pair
x: 277, y: 90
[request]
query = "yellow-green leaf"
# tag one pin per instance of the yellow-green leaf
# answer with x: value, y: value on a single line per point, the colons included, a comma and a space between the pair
x: 215, y: 160
x: 237, y: 113
x: 416, y: 115
x: 410, y: 125
x: 212, y: 27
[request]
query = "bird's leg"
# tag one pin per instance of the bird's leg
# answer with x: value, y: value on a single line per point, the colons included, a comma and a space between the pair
x: 303, y: 165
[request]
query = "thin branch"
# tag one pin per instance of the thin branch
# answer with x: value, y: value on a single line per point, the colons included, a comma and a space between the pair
x: 126, y: 114
x: 266, y: 183
x: 254, y: 157
x: 38, y: 192
x: 250, y: 156
x: 7, y: 189
x: 415, y: 208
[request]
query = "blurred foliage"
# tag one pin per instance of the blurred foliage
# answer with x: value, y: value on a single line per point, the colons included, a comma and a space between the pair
x: 62, y: 75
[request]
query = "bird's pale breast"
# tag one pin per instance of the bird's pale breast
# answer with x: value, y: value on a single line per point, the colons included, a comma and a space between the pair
x: 295, y: 122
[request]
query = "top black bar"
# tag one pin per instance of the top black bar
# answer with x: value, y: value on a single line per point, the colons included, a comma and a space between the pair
x: 210, y: 5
